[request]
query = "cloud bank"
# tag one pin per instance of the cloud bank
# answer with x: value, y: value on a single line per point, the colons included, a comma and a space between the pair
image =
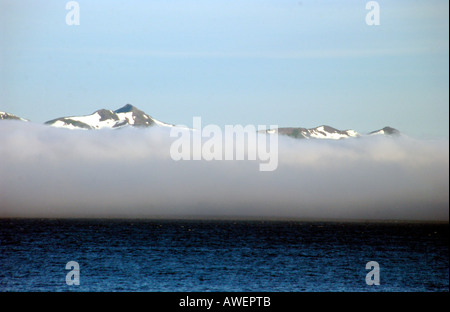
x: 128, y: 173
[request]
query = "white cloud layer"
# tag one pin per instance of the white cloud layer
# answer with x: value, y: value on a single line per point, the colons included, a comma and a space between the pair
x: 48, y: 172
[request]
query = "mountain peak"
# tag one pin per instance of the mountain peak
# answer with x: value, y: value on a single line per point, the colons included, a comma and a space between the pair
x: 126, y: 109
x: 4, y: 116
x: 320, y: 132
x: 387, y: 131
x: 127, y: 115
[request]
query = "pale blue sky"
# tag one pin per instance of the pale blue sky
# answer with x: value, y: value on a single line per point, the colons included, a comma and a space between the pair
x: 292, y: 63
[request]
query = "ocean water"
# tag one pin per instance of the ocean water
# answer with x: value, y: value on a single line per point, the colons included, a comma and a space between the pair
x: 222, y: 256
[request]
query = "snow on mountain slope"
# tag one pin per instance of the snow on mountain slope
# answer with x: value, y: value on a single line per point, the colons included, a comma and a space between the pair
x: 321, y: 132
x: 385, y: 131
x: 327, y: 132
x: 8, y: 116
x: 127, y: 115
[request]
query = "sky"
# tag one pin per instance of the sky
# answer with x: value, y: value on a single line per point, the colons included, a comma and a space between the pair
x: 285, y: 62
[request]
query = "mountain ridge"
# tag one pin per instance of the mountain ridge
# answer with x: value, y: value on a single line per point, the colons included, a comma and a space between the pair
x: 130, y: 116
x: 8, y: 116
x: 127, y: 115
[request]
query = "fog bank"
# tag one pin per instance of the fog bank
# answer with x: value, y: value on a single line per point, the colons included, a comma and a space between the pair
x: 49, y: 172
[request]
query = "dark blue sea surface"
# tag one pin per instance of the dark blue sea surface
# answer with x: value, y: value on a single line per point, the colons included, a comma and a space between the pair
x: 163, y: 255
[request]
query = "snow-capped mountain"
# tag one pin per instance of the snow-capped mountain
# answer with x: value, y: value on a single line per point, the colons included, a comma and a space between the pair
x: 7, y: 116
x: 385, y: 131
x: 327, y: 132
x: 127, y: 115
x: 320, y: 132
